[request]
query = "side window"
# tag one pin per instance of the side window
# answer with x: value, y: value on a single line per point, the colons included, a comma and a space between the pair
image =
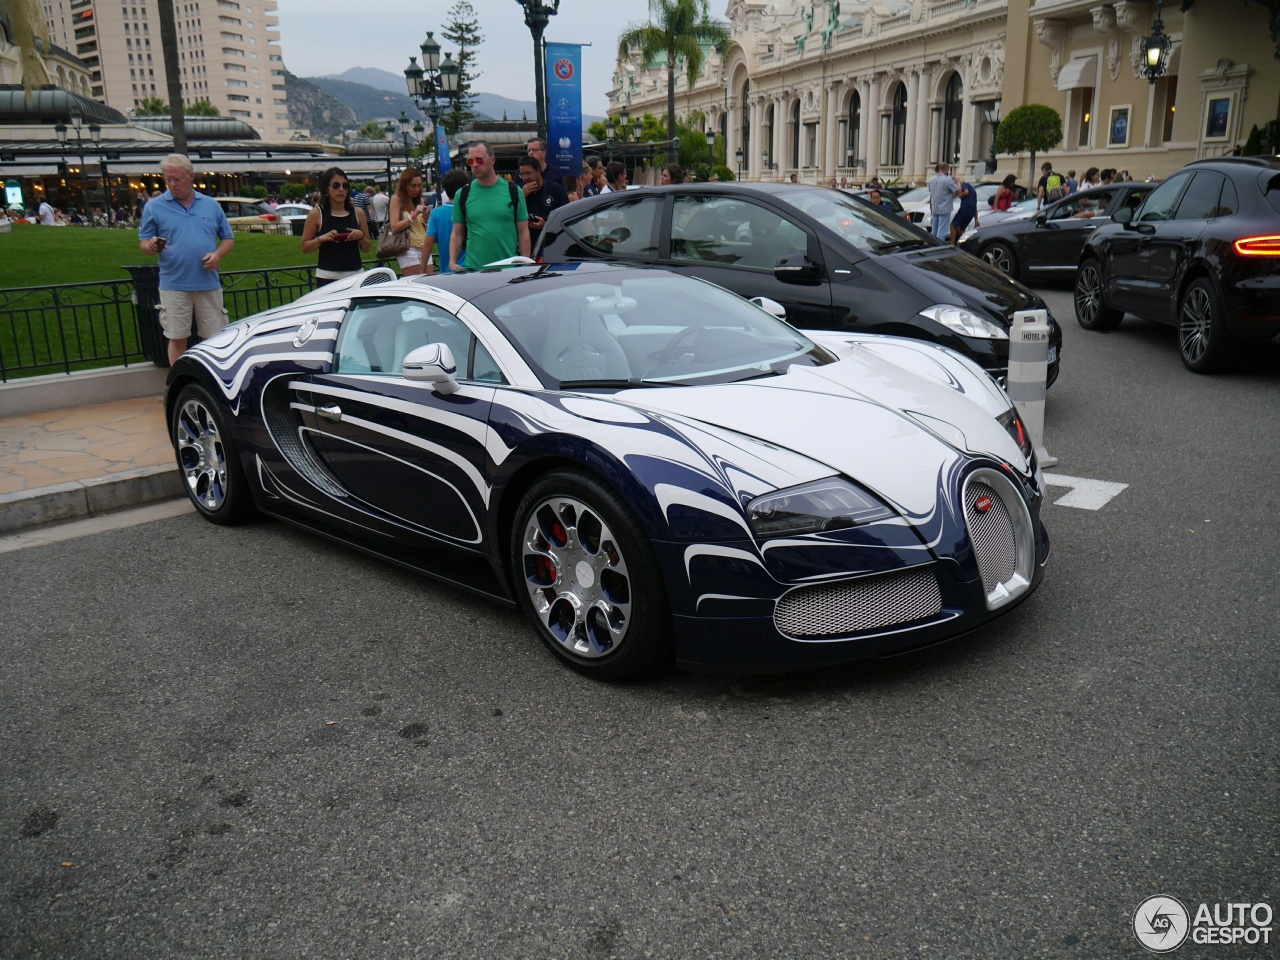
x: 379, y: 333
x: 730, y: 231
x: 1159, y: 205
x: 1131, y: 202
x: 1089, y: 203
x: 1229, y: 202
x: 622, y: 229
x: 1200, y: 201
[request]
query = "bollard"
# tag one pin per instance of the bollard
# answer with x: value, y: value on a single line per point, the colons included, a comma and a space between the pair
x: 1029, y: 375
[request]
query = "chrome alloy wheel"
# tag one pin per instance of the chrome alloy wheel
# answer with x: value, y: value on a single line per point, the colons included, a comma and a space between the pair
x: 577, y: 577
x: 201, y: 455
x: 1194, y: 324
x: 1088, y: 294
x: 998, y: 257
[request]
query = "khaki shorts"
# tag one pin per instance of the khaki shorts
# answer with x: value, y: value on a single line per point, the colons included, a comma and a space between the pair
x: 178, y: 306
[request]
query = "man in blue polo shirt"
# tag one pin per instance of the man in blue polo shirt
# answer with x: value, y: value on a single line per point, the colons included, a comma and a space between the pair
x: 191, y: 235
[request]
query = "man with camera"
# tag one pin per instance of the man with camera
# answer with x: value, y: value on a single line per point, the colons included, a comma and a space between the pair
x: 191, y: 235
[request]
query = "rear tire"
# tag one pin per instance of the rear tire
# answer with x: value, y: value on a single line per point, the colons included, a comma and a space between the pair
x: 1203, y: 340
x: 1003, y: 258
x: 1092, y: 311
x: 587, y: 578
x: 207, y: 458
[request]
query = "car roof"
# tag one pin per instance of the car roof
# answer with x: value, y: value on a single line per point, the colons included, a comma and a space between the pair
x: 239, y: 199
x: 471, y: 284
x: 1236, y: 163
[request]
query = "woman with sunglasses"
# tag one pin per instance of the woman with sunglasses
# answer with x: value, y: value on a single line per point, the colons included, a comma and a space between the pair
x: 335, y: 228
x: 408, y: 212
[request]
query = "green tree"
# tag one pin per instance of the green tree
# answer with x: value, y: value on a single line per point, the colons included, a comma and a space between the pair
x: 202, y: 108
x: 372, y: 131
x: 463, y: 31
x: 679, y: 29
x: 151, y: 107
x: 295, y: 191
x: 1033, y: 127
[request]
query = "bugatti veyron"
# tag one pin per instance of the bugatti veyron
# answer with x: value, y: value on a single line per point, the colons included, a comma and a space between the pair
x: 649, y: 466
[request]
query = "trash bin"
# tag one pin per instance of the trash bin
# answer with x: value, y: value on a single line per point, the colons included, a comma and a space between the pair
x: 146, y: 300
x: 297, y: 225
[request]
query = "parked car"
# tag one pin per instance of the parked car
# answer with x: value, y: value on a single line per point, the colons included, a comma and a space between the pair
x: 1202, y: 253
x: 833, y: 261
x: 1019, y: 210
x: 915, y: 203
x: 246, y: 211
x: 649, y: 466
x: 1048, y: 243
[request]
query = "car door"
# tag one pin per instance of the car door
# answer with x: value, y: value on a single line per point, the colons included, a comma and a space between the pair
x: 1175, y: 241
x: 626, y: 229
x: 1129, y: 284
x: 1055, y: 243
x: 735, y: 242
x: 413, y: 459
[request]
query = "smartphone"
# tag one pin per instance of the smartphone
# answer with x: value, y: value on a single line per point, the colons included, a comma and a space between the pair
x: 160, y: 242
x: 342, y: 234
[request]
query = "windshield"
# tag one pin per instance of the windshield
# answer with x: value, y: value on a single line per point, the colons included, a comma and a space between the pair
x: 917, y: 195
x: 642, y: 328
x: 869, y: 229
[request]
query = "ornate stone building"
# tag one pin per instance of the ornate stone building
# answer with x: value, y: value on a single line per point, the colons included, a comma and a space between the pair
x: 843, y: 89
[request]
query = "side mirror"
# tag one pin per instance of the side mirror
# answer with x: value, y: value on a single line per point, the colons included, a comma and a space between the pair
x: 795, y: 268
x: 1041, y: 219
x: 1123, y: 215
x: 432, y: 364
x: 771, y: 307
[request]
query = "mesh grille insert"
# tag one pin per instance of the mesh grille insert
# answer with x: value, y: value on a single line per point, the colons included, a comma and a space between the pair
x: 855, y: 606
x: 992, y: 532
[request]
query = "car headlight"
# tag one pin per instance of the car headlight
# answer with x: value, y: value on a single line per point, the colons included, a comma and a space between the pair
x: 831, y: 504
x: 965, y: 322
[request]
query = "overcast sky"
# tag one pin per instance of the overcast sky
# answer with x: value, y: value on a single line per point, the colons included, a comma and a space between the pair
x: 320, y: 37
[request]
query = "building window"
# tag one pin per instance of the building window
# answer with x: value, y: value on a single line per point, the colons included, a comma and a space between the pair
x: 854, y: 145
x: 1170, y: 105
x: 952, y: 117
x: 1084, y: 98
x: 898, y: 127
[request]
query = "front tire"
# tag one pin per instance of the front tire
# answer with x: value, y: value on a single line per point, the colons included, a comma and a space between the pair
x: 1092, y: 311
x: 1203, y: 340
x: 207, y: 458
x: 1002, y: 257
x: 587, y: 578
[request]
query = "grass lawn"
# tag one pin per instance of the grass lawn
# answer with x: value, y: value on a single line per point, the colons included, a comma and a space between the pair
x: 95, y: 324
x: 34, y: 256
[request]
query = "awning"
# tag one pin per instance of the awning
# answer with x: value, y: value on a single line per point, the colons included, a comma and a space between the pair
x: 1077, y: 73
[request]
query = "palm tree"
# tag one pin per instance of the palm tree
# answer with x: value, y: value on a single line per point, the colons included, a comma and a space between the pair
x: 680, y: 29
x: 23, y: 26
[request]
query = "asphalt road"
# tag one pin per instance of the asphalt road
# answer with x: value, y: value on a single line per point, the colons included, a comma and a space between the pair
x: 251, y: 743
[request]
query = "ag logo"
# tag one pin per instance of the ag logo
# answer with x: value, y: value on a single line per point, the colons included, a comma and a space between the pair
x: 305, y: 331
x: 1161, y: 924
x: 564, y: 69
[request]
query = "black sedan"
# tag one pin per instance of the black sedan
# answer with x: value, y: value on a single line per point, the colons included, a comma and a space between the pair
x: 1049, y: 243
x: 832, y: 260
x: 1202, y: 253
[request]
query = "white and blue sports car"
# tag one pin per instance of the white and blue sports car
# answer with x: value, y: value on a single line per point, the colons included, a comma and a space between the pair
x: 651, y: 467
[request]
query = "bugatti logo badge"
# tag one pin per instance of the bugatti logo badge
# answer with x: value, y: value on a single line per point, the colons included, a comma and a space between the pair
x: 982, y: 504
x: 564, y: 69
x: 1160, y: 924
x: 305, y: 331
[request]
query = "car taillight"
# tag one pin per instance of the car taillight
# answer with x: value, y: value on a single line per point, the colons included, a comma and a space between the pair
x: 269, y: 217
x: 1258, y: 246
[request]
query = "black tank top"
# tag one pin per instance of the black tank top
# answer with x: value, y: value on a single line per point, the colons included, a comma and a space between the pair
x: 341, y: 255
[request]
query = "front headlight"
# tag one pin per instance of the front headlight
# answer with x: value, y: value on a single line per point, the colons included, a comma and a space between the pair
x: 965, y: 322
x: 831, y: 504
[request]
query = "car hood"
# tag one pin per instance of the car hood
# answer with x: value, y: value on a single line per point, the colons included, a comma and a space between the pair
x: 953, y: 276
x: 894, y: 431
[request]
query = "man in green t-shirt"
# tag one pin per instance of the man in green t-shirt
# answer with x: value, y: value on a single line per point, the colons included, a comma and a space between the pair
x: 484, y: 224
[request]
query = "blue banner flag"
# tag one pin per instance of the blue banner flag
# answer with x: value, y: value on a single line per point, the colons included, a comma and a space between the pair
x: 442, y: 149
x: 564, y: 109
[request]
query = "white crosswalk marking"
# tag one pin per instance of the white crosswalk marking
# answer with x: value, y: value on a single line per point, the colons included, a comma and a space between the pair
x: 1085, y: 494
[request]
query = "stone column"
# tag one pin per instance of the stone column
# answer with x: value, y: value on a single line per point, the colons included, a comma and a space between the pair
x: 935, y: 155
x: 871, y: 127
x: 830, y: 124
x: 779, y: 134
x: 914, y: 106
x: 967, y: 118
x: 921, y: 118
x: 752, y: 163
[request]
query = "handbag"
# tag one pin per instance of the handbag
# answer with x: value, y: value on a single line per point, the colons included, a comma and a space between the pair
x: 390, y: 243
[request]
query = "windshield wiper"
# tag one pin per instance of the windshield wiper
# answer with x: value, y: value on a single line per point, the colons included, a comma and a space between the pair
x: 621, y: 384
x: 910, y: 244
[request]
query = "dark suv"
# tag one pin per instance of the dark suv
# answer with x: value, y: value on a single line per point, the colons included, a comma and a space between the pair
x: 832, y: 260
x: 1201, y: 253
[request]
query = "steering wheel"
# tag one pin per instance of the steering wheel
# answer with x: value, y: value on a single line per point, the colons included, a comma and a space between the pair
x: 668, y: 353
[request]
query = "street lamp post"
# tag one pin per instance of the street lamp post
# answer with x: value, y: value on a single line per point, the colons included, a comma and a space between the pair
x: 711, y: 152
x: 738, y: 154
x: 433, y: 86
x: 993, y: 117
x: 1156, y: 48
x: 95, y: 134
x: 536, y: 16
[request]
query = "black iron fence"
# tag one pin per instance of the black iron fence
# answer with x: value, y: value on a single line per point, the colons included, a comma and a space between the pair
x: 81, y: 326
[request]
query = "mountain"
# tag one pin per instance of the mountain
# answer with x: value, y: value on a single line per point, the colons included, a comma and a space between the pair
x: 368, y: 103
x: 314, y: 109
x: 370, y: 77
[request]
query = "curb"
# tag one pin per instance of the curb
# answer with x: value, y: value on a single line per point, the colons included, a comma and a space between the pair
x: 88, y: 498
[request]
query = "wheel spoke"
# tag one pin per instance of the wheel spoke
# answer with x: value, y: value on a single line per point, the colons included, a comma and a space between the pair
x: 201, y: 455
x: 1193, y: 328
